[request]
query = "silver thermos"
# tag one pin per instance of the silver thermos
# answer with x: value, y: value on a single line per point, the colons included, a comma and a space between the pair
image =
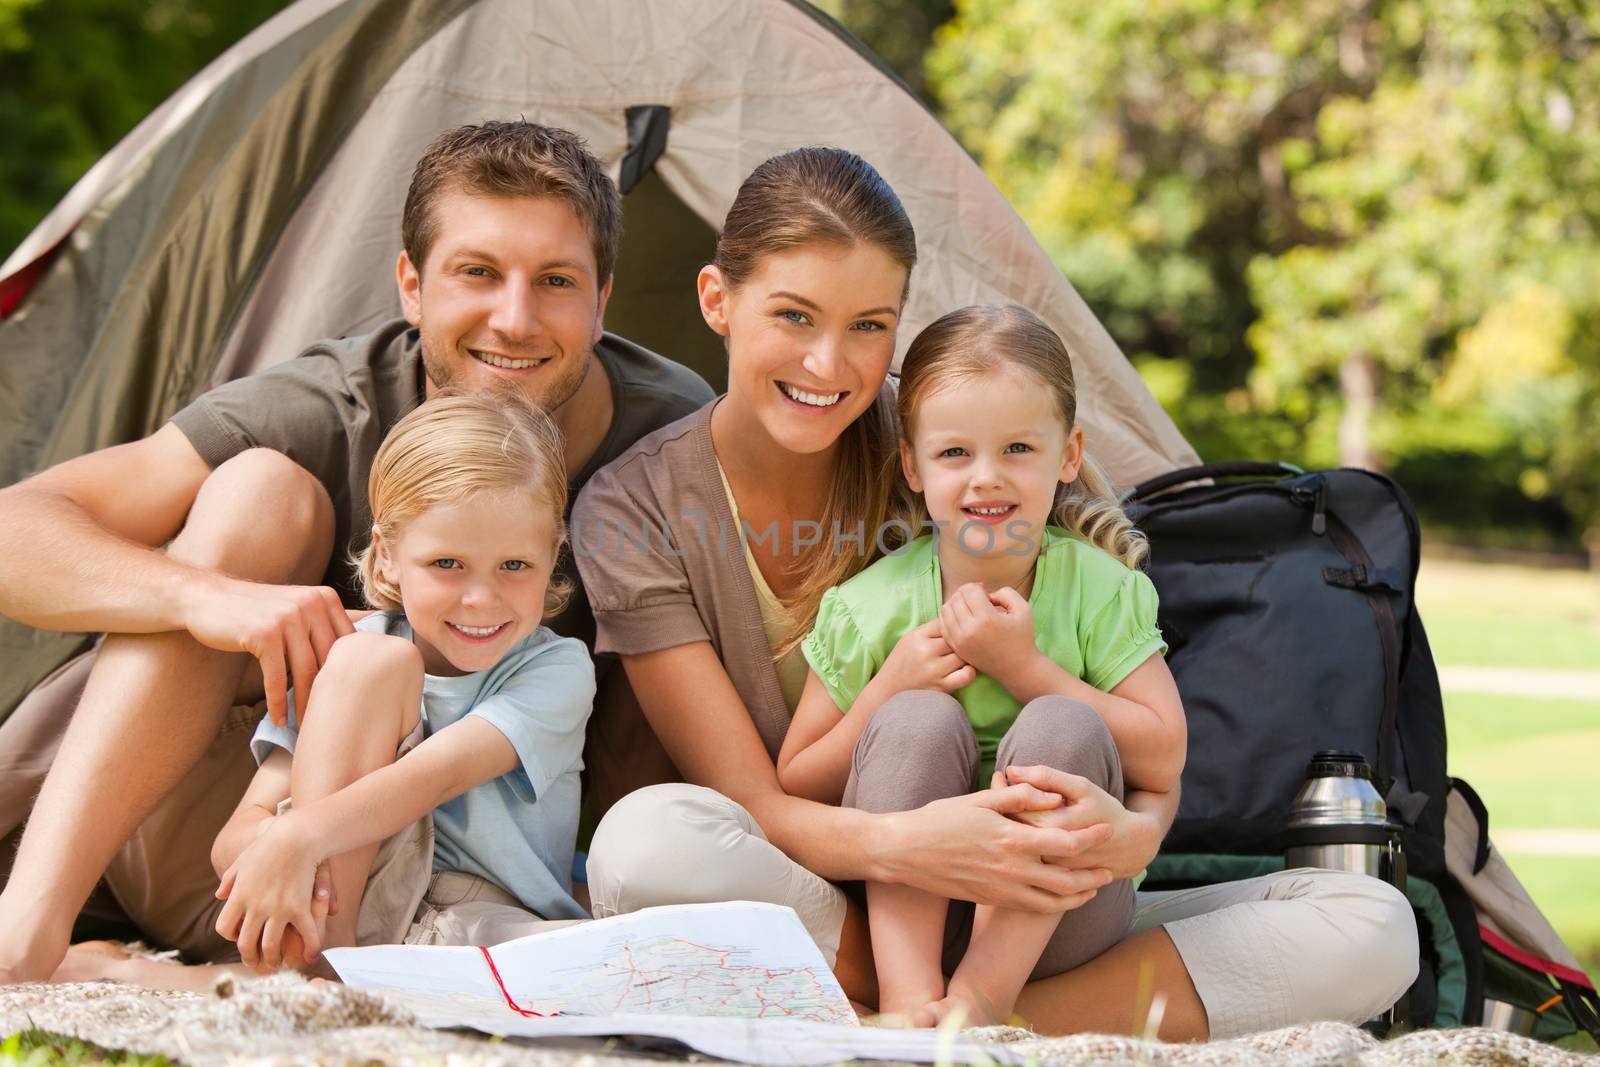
x: 1340, y: 822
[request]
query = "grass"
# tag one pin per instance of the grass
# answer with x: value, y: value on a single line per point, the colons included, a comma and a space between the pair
x: 33, y: 1049
x: 1532, y: 760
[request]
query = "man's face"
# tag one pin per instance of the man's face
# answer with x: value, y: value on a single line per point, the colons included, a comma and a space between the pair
x: 510, y: 297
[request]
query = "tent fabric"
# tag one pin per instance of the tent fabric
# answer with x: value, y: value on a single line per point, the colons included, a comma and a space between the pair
x: 259, y: 208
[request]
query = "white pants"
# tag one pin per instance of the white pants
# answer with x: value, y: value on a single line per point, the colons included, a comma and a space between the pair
x: 1263, y: 953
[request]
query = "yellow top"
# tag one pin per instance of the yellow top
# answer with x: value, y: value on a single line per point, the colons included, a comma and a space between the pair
x: 775, y: 618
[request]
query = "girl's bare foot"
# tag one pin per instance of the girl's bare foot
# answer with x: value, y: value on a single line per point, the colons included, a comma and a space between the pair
x: 960, y: 1008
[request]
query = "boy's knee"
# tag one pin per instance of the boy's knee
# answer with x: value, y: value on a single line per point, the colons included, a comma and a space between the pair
x: 263, y: 506
x: 1066, y: 734
x: 374, y: 658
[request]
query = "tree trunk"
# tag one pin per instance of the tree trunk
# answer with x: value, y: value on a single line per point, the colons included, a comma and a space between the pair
x: 1358, y: 387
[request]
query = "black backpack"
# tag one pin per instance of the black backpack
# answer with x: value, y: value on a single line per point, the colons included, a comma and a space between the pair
x: 1286, y: 604
x: 1287, y: 607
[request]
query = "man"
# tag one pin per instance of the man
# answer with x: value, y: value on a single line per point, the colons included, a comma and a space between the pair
x: 510, y: 233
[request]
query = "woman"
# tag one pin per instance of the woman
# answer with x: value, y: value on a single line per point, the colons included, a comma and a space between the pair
x: 705, y: 551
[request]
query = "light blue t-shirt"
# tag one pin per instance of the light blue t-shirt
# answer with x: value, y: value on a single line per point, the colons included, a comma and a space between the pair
x: 517, y: 830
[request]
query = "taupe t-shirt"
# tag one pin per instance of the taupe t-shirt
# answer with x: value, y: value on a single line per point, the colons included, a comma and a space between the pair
x: 329, y: 408
x: 664, y: 565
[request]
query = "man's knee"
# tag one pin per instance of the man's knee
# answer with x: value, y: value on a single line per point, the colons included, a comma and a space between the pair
x: 263, y: 512
x: 1065, y: 734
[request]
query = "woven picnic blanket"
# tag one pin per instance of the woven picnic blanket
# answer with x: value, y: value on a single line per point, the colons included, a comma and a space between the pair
x: 287, y: 1020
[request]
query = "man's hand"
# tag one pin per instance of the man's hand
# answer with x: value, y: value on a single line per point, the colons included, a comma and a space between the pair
x: 272, y: 894
x: 923, y: 659
x: 991, y: 631
x: 288, y: 628
x: 1132, y: 839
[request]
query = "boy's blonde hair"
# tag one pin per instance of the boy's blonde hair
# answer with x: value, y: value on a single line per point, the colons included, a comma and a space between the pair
x: 975, y: 341
x: 455, y: 446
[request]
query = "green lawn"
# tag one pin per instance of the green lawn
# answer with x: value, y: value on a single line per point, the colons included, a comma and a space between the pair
x: 1535, y: 762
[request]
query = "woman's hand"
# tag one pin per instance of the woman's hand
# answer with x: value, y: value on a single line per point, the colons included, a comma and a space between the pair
x: 978, y: 847
x: 991, y: 631
x: 923, y: 659
x: 1133, y: 837
x: 276, y: 889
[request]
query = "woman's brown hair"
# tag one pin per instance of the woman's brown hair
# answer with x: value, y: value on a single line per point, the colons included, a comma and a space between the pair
x: 976, y: 341
x: 826, y: 196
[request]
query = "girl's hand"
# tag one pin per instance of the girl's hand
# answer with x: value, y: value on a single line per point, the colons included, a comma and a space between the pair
x: 991, y: 631
x: 271, y: 892
x: 923, y: 659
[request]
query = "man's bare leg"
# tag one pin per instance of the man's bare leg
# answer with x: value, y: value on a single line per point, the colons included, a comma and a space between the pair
x: 152, y: 706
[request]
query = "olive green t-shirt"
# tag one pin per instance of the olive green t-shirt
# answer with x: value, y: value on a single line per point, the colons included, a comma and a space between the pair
x: 329, y: 408
x: 1092, y: 615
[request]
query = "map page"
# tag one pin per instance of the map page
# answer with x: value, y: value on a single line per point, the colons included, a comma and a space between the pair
x: 739, y: 960
x: 741, y: 981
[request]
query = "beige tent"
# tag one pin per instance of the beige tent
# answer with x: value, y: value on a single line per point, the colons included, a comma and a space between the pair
x: 259, y: 207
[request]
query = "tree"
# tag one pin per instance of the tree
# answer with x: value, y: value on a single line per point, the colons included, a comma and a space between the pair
x: 75, y: 75
x: 1297, y: 215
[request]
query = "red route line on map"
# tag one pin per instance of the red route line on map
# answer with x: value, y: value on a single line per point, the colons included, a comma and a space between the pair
x: 723, y: 955
x: 513, y: 1005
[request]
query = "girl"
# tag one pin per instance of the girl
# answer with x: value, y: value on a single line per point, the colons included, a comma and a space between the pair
x: 450, y: 707
x: 995, y: 636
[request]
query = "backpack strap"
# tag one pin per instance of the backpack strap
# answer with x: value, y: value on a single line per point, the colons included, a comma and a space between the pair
x: 1378, y: 596
x: 1232, y: 469
x: 1469, y: 795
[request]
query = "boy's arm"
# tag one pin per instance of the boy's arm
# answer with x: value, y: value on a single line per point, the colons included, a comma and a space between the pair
x: 267, y: 790
x: 271, y: 884
x: 375, y: 806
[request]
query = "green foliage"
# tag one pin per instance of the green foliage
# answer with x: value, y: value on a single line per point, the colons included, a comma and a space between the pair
x: 33, y: 1048
x: 1259, y: 191
x: 76, y: 75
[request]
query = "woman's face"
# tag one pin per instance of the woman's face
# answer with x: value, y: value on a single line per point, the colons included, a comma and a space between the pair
x: 810, y: 338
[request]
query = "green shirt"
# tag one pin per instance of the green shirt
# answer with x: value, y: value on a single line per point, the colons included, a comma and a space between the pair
x: 1092, y: 615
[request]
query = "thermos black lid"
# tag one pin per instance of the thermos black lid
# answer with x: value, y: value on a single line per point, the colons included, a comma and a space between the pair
x: 1332, y: 763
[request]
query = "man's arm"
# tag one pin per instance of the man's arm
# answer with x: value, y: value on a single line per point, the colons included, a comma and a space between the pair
x: 79, y: 543
x: 79, y: 552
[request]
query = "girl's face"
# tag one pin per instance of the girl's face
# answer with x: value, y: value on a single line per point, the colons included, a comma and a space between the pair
x: 810, y: 338
x: 987, y: 454
x: 472, y: 577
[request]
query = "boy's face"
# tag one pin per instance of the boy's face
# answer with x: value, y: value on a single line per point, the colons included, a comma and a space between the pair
x: 510, y: 297
x: 472, y: 577
x: 987, y: 454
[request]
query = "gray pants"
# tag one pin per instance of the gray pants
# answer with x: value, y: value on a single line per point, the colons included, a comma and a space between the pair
x: 919, y: 747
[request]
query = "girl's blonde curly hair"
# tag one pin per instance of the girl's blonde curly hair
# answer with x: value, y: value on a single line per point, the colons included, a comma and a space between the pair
x: 455, y: 446
x: 975, y: 341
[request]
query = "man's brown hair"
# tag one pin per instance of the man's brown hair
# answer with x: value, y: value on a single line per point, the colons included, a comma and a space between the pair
x: 513, y: 159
